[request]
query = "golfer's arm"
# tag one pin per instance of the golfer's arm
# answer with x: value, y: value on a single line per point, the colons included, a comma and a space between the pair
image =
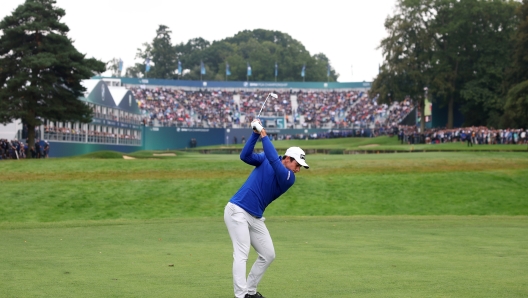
x: 285, y: 177
x: 247, y: 155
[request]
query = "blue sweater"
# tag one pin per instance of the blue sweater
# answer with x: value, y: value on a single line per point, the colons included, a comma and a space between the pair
x: 268, y: 181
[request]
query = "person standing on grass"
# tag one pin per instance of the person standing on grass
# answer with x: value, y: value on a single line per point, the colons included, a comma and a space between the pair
x: 271, y: 177
x: 470, y: 138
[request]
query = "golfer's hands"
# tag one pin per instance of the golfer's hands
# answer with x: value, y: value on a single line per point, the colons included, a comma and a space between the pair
x: 256, y: 125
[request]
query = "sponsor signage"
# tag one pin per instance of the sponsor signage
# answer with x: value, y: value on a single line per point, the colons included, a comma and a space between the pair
x: 245, y: 85
x: 105, y: 122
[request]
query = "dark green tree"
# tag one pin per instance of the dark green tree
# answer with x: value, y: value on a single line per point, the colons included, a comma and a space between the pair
x: 473, y: 41
x: 459, y: 49
x: 139, y: 69
x: 191, y: 54
x: 261, y: 49
x: 407, y: 52
x: 164, y: 59
x: 516, y: 108
x: 40, y: 69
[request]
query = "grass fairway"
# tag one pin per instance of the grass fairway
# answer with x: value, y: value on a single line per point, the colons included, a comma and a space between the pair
x: 391, y: 256
x: 373, y: 225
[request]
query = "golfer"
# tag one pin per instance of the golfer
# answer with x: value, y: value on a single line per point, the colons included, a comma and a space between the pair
x: 271, y: 177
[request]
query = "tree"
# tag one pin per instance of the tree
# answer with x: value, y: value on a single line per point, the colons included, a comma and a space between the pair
x: 261, y: 49
x: 472, y: 47
x: 407, y: 52
x: 139, y: 69
x: 190, y: 55
x: 163, y: 55
x: 114, y: 66
x: 41, y: 72
x: 516, y: 107
x: 458, y: 49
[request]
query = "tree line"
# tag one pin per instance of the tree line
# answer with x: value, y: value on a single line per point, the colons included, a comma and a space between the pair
x: 470, y: 54
x: 272, y: 55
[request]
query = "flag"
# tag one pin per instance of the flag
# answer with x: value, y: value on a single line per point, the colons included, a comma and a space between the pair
x: 303, y: 71
x: 179, y: 68
x: 147, y: 65
x: 248, y: 69
x: 228, y: 69
x: 120, y: 65
x: 276, y: 69
x: 202, y: 68
x: 328, y: 70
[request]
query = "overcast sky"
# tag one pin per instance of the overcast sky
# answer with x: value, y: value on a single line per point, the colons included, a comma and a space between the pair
x: 347, y: 32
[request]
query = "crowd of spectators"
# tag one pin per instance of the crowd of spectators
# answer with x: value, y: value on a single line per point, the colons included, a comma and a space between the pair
x: 366, y: 113
x: 174, y: 107
x: 16, y: 149
x: 251, y: 102
x: 333, y: 109
x: 398, y: 111
x: 475, y: 135
x: 320, y: 108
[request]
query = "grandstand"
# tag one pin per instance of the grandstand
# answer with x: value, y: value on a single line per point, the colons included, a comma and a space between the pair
x: 150, y: 114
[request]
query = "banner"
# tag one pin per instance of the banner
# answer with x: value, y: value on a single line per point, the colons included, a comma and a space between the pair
x: 202, y: 68
x: 244, y: 84
x: 228, y: 70
x: 147, y: 65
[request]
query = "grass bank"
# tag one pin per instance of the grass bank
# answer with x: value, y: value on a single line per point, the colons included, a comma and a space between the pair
x: 195, y: 185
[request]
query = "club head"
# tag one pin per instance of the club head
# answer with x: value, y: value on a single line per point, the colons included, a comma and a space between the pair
x: 274, y: 95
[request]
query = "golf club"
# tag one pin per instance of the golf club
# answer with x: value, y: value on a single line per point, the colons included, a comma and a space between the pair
x: 272, y: 95
x: 258, y: 126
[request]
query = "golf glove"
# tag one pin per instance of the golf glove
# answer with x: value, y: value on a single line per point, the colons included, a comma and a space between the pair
x: 257, y: 127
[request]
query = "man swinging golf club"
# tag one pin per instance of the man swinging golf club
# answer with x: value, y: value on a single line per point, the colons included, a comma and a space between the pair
x: 271, y: 177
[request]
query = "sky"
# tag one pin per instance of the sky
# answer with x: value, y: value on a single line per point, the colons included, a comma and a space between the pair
x: 348, y: 32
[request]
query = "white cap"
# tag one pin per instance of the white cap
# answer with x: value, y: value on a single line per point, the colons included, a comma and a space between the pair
x: 298, y: 154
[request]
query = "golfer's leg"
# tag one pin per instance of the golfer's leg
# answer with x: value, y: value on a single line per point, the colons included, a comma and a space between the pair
x: 237, y: 226
x: 263, y: 245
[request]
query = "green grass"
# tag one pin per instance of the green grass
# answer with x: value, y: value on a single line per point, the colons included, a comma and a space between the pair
x: 407, y: 256
x: 439, y: 224
x: 104, y: 154
x: 384, y: 143
x: 195, y: 185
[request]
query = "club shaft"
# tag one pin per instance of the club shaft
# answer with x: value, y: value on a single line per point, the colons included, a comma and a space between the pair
x: 258, y: 116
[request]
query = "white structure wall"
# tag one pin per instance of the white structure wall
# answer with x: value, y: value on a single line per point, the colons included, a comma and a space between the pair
x: 10, y: 130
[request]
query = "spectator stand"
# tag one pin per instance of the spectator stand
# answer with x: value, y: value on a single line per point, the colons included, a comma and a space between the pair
x: 116, y: 119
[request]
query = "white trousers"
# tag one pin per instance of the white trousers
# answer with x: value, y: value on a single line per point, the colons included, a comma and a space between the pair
x: 245, y: 231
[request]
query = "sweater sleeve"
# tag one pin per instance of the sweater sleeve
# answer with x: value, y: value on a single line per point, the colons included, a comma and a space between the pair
x: 285, y: 177
x: 247, y: 155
